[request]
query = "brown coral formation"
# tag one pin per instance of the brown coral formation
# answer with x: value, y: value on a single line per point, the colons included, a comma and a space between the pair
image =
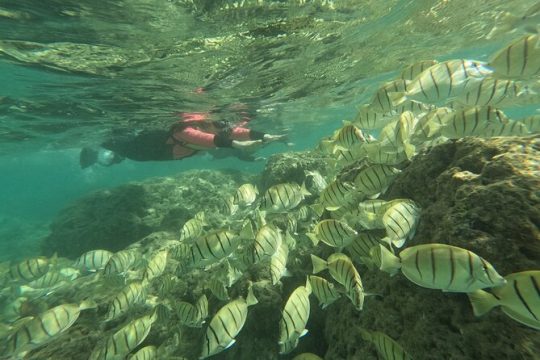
x: 481, y: 195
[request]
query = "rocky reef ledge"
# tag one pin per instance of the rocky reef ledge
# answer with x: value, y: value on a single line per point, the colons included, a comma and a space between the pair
x: 113, y: 219
x: 478, y: 194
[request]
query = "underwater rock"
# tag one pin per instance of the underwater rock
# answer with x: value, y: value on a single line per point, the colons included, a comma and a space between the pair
x: 291, y: 167
x: 113, y: 219
x: 478, y: 194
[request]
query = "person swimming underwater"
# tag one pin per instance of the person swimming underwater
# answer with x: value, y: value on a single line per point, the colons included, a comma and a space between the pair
x: 193, y: 133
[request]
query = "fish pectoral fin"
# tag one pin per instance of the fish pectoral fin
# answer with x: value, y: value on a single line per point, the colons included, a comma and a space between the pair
x: 231, y: 343
x: 304, y: 332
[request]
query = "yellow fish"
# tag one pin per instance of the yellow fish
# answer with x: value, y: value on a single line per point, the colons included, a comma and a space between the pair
x: 518, y: 60
x: 440, y: 266
x: 519, y: 298
x: 387, y: 347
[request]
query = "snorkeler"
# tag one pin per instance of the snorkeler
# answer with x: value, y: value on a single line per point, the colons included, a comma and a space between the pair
x: 193, y: 133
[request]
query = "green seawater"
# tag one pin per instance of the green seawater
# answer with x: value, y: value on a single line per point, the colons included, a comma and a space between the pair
x: 73, y: 72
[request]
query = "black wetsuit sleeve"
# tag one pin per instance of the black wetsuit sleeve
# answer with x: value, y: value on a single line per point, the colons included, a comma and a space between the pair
x: 222, y: 140
x: 256, y: 135
x: 149, y: 145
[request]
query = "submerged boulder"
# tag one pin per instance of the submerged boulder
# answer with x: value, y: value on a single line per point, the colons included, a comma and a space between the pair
x: 115, y: 218
x: 291, y: 167
x: 482, y: 195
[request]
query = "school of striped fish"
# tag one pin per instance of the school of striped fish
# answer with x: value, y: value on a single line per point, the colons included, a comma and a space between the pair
x: 133, y: 290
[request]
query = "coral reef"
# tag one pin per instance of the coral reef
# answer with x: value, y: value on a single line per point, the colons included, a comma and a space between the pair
x: 291, y: 167
x: 113, y: 219
x: 482, y: 195
x: 477, y: 194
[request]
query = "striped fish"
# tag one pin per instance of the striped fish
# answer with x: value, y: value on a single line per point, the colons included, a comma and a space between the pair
x: 131, y: 295
x: 283, y: 197
x: 440, y: 266
x: 43, y: 328
x: 51, y: 279
x: 343, y: 271
x: 400, y: 221
x: 360, y: 247
x: 518, y: 60
x: 336, y: 195
x: 120, y: 262
x: 156, y: 265
x: 442, y: 81
x: 278, y: 263
x: 292, y: 224
x: 368, y: 119
x: 519, y: 298
x: 92, y: 261
x: 193, y: 228
x: 166, y: 285
x: 29, y: 269
x: 232, y: 274
x: 416, y: 107
x: 202, y: 308
x: 381, y: 101
x: 374, y: 179
x: 412, y: 71
x: 122, y: 342
x: 532, y: 123
x: 163, y: 312
x: 219, y: 289
x: 146, y: 353
x: 294, y: 318
x: 376, y: 152
x: 428, y: 125
x: 213, y: 247
x: 318, y: 183
x: 396, y: 136
x: 188, y: 314
x: 489, y: 91
x: 333, y: 233
x: 323, y: 290
x: 225, y: 325
x: 387, y: 347
x: 480, y: 121
x: 348, y: 135
x: 303, y: 213
x: 267, y: 242
x: 229, y: 208
x: 246, y: 195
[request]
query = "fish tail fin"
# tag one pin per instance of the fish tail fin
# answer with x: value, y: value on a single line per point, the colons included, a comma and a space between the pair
x: 247, y: 230
x: 318, y: 208
x: 308, y: 285
x: 385, y: 260
x: 433, y: 129
x: 327, y: 146
x: 482, y: 302
x: 410, y: 149
x: 250, y: 298
x: 314, y: 239
x: 505, y: 22
x: 397, y: 98
x: 318, y: 264
x: 87, y: 304
x: 303, y: 190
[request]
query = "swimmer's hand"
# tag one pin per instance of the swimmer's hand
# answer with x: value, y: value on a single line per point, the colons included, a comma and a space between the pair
x: 248, y: 145
x: 271, y: 138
